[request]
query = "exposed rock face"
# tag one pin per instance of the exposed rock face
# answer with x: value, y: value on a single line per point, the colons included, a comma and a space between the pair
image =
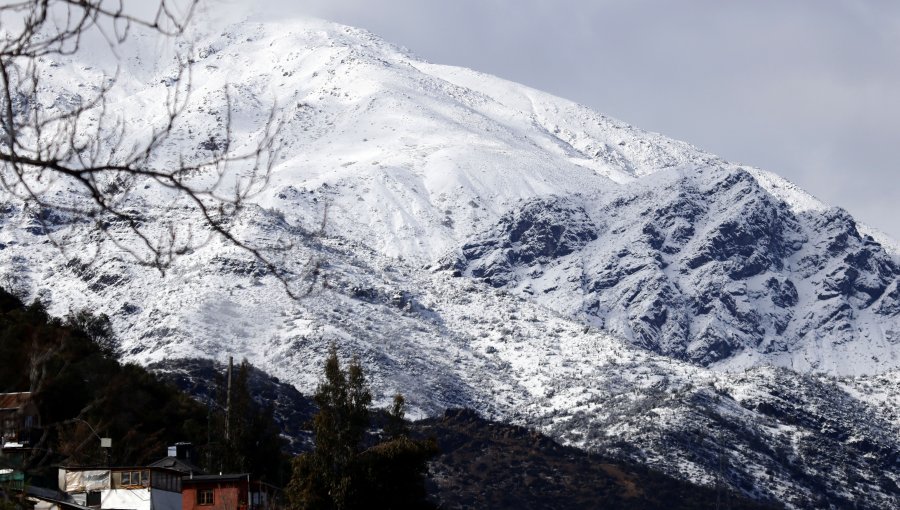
x: 540, y: 231
x: 704, y: 266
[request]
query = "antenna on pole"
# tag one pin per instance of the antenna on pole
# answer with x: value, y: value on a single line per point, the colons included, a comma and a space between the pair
x: 106, y: 444
x: 228, y: 398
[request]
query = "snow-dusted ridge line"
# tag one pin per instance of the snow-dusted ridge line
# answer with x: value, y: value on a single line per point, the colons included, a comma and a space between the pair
x: 417, y: 159
x: 495, y: 247
x: 785, y: 190
x: 800, y: 201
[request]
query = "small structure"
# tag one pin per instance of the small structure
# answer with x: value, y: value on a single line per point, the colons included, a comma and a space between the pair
x: 226, y: 492
x: 19, y: 420
x: 180, y: 457
x: 123, y: 488
x: 12, y: 479
x: 50, y: 499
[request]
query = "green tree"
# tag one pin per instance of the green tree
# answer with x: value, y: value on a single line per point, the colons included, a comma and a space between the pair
x: 323, y: 478
x: 394, y: 470
x: 98, y: 328
x: 339, y: 473
x: 396, y: 419
x: 253, y: 442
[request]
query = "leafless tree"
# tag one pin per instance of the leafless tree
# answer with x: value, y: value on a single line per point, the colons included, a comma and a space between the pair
x: 83, y: 162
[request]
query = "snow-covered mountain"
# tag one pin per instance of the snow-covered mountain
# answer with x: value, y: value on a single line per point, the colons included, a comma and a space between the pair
x: 491, y: 246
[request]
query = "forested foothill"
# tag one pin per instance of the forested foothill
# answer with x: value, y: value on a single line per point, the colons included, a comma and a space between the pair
x: 346, y: 453
x: 84, y: 392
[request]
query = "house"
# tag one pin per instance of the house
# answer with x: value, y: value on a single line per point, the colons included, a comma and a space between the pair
x: 19, y: 420
x: 226, y: 492
x: 171, y: 483
x: 123, y: 488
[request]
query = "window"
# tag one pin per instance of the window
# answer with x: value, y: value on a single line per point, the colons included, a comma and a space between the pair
x: 10, y: 430
x: 93, y: 498
x: 136, y: 478
x: 204, y: 497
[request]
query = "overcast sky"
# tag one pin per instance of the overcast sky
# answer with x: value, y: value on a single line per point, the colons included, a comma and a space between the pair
x: 809, y: 89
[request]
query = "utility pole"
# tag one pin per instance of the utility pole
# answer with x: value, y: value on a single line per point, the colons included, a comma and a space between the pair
x: 106, y: 444
x: 208, y: 432
x: 228, y: 399
x: 719, y: 477
x: 721, y: 486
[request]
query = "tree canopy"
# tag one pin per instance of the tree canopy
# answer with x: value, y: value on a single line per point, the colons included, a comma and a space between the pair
x: 246, y: 439
x: 342, y: 472
x: 83, y: 392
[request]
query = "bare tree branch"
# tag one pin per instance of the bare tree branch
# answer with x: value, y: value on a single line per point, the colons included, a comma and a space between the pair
x: 90, y: 150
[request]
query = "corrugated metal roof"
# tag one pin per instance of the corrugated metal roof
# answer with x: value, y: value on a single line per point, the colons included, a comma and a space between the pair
x: 216, y: 478
x: 177, y: 464
x: 14, y: 400
x: 54, y: 496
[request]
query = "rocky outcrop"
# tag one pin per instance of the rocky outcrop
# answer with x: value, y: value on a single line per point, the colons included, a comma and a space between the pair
x: 705, y: 267
x: 536, y: 233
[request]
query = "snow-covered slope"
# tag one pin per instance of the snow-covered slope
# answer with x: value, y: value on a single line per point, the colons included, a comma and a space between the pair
x: 704, y: 265
x: 689, y: 256
x: 492, y: 246
x: 445, y: 341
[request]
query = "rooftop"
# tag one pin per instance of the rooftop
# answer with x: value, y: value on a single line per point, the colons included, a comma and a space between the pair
x: 233, y: 477
x: 177, y: 464
x: 14, y: 400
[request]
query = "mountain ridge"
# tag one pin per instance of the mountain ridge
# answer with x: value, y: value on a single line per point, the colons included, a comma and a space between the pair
x: 670, y: 274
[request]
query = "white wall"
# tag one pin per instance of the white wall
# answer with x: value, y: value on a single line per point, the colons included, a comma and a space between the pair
x: 126, y: 499
x: 43, y: 505
x: 140, y: 499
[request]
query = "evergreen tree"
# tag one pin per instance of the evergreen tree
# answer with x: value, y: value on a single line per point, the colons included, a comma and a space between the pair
x: 253, y: 442
x: 396, y: 418
x: 339, y: 473
x: 323, y: 478
x: 395, y: 468
x: 98, y: 328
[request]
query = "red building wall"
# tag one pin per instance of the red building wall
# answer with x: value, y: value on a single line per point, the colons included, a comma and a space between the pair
x: 226, y: 496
